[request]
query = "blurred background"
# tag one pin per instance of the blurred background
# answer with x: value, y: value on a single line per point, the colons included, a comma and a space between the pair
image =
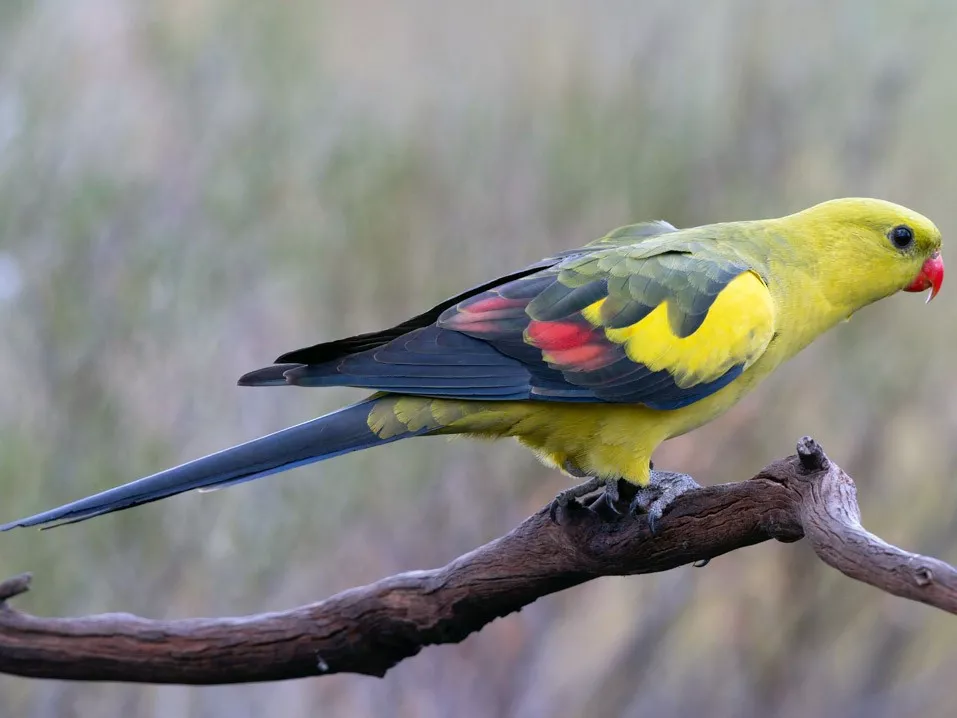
x: 190, y: 187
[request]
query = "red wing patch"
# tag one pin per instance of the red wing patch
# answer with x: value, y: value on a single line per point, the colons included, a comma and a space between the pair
x: 587, y: 357
x: 488, y: 315
x: 572, y: 345
x: 490, y: 305
x: 558, y: 336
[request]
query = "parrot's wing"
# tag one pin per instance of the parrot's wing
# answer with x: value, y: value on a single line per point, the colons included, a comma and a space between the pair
x: 327, y: 351
x: 655, y: 321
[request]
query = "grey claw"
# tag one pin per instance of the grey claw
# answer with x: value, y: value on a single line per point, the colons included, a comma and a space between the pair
x: 564, y: 498
x: 568, y: 496
x: 611, y: 494
x: 655, y: 498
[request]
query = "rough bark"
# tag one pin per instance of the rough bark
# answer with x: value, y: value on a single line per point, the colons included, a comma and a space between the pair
x: 372, y: 628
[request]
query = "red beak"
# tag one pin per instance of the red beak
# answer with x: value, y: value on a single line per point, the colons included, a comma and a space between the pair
x: 931, y: 276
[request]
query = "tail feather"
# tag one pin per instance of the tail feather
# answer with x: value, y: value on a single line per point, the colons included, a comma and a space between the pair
x: 274, y: 375
x: 331, y: 435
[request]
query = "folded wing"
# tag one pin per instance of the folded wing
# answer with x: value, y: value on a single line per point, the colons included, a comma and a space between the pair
x: 636, y: 317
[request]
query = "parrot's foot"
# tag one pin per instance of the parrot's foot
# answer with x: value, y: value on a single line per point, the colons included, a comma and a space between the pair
x: 655, y: 498
x: 594, y: 484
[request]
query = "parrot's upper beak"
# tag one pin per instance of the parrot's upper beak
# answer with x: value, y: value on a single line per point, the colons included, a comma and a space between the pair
x: 931, y: 276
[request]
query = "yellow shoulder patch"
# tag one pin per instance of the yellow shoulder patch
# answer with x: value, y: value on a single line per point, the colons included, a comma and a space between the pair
x: 737, y: 329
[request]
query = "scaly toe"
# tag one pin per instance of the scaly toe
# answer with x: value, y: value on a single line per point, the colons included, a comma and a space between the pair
x: 609, y: 497
x: 566, y: 497
x: 654, y: 499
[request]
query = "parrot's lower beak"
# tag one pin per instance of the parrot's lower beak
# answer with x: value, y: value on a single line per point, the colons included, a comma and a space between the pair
x: 931, y: 276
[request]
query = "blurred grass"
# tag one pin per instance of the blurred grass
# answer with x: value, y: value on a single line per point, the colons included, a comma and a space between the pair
x: 189, y: 188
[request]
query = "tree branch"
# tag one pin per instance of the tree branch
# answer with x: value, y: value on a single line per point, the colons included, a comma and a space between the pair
x: 370, y: 629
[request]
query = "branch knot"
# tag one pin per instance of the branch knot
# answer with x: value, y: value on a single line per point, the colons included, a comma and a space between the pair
x: 812, y: 456
x: 14, y: 586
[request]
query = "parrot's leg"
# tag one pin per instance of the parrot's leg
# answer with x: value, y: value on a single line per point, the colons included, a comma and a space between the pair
x: 593, y: 484
x: 655, y: 498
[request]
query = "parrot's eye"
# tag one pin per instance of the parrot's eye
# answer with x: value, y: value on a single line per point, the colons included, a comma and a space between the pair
x: 902, y: 236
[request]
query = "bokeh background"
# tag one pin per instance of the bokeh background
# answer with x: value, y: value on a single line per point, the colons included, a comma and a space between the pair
x: 190, y: 187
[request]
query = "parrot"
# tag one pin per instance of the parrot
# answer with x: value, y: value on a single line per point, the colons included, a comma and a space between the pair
x: 592, y: 357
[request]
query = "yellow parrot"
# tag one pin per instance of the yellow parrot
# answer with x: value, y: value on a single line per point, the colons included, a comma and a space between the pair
x: 592, y: 357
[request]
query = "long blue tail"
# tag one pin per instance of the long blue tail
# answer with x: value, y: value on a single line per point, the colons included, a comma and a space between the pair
x: 331, y: 435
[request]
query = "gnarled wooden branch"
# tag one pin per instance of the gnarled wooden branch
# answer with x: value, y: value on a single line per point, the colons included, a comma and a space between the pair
x: 372, y: 628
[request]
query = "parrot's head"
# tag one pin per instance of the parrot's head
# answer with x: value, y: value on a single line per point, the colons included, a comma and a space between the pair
x: 873, y: 248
